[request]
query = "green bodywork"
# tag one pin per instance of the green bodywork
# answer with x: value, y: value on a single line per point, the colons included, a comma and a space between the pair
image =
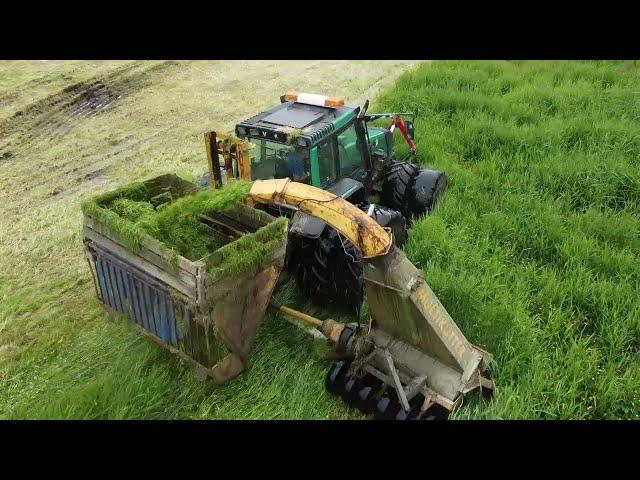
x: 315, y: 167
x: 349, y: 156
x: 320, y: 156
x: 378, y: 140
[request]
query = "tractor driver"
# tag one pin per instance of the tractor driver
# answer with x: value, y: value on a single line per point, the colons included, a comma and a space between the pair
x: 295, y: 163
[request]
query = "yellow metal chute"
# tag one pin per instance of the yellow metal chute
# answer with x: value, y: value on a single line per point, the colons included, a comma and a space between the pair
x: 363, y: 231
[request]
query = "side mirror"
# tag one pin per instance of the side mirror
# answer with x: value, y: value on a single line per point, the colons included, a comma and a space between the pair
x: 410, y: 131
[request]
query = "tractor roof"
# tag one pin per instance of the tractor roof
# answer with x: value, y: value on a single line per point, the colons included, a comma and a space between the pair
x: 311, y: 123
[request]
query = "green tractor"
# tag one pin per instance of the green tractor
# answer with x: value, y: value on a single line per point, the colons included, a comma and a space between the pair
x: 321, y: 141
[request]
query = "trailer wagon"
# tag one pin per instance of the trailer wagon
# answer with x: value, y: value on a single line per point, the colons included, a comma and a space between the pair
x: 207, y: 311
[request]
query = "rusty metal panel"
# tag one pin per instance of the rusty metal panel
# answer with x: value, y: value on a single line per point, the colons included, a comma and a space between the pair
x: 209, y: 321
x: 402, y: 304
x: 233, y: 151
x: 154, y: 309
x: 216, y: 336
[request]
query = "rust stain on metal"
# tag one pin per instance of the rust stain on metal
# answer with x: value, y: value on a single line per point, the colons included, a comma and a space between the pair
x: 233, y: 151
x: 446, y: 327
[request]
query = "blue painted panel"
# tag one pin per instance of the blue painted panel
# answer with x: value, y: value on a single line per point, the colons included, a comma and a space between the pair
x: 147, y: 302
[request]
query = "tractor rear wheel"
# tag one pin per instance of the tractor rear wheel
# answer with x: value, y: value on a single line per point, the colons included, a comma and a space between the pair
x: 412, y: 190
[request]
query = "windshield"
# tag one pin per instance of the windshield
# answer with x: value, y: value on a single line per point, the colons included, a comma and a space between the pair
x: 277, y: 160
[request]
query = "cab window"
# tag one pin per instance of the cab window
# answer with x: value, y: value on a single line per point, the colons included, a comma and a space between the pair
x: 277, y: 160
x: 327, y: 163
x: 349, y: 153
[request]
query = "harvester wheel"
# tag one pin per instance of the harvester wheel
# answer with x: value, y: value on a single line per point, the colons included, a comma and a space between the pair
x: 330, y: 270
x: 428, y: 186
x: 387, y: 407
x: 336, y: 377
x: 435, y: 412
x: 415, y: 404
x: 365, y: 401
x: 353, y: 387
x: 412, y: 190
x: 396, y: 189
x: 350, y: 390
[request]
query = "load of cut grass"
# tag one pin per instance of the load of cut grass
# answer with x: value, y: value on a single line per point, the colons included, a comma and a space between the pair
x: 132, y: 210
x: 249, y: 250
x: 140, y: 209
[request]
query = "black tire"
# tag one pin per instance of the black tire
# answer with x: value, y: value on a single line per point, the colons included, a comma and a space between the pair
x: 412, y: 190
x: 330, y: 270
x: 397, y: 188
x: 392, y: 219
x: 428, y: 187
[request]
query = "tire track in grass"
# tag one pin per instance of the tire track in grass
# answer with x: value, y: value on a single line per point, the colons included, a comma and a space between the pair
x: 50, y: 119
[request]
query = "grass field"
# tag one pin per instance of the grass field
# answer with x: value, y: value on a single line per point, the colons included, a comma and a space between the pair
x: 534, y: 250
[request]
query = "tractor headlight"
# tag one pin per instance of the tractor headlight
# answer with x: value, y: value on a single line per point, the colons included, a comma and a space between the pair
x: 241, y: 131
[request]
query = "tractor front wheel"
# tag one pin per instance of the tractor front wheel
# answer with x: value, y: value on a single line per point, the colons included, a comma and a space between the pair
x: 412, y: 190
x: 329, y: 268
x: 428, y: 186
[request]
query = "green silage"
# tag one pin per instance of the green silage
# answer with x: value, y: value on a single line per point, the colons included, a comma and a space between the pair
x: 128, y: 212
x: 132, y: 210
x: 178, y: 225
x: 95, y: 208
x: 250, y: 250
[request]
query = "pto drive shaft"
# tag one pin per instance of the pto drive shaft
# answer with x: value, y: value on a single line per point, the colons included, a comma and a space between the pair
x: 345, y: 336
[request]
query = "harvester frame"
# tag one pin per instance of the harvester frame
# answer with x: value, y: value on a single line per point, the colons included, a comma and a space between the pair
x: 412, y: 347
x: 411, y: 362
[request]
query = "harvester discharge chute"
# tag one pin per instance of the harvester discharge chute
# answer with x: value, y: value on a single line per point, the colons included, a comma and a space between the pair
x: 412, y: 350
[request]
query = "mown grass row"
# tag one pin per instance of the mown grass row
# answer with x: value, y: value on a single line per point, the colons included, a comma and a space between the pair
x: 535, y: 249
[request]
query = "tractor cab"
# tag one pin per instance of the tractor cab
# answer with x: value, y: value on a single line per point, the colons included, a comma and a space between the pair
x: 322, y: 142
x: 308, y: 138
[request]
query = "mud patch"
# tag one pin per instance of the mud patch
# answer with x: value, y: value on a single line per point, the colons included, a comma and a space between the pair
x: 55, y: 116
x: 95, y: 178
x: 94, y: 100
x: 92, y: 175
x: 5, y: 157
x: 84, y: 182
x: 97, y: 181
